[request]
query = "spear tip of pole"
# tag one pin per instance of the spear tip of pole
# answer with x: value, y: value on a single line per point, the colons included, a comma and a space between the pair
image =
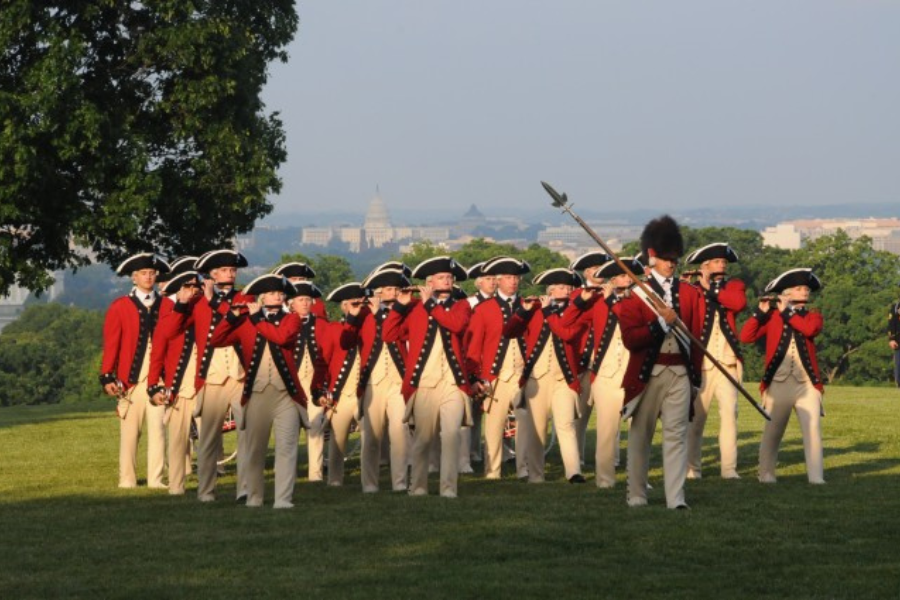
x: 559, y: 200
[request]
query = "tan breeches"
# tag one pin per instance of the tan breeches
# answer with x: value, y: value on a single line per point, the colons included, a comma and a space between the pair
x: 715, y: 384
x: 506, y: 394
x: 315, y: 441
x: 585, y: 408
x: 437, y: 411
x: 267, y: 411
x: 130, y: 435
x: 545, y: 396
x: 214, y: 404
x: 179, y: 443
x: 341, y: 420
x: 608, y: 398
x: 666, y: 397
x: 780, y: 398
x: 383, y: 410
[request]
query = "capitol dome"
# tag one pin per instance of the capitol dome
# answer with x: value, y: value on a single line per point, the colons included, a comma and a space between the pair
x: 377, y: 216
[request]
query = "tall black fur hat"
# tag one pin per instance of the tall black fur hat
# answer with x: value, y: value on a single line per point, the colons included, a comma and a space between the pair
x: 662, y: 237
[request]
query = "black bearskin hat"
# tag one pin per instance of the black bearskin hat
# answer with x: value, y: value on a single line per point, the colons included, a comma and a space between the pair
x: 663, y: 237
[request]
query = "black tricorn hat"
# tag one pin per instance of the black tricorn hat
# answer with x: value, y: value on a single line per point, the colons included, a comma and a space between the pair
x: 558, y: 276
x: 139, y: 262
x: 395, y: 265
x: 711, y: 251
x: 611, y: 268
x: 662, y: 237
x: 307, y: 288
x: 386, y: 278
x: 295, y: 269
x: 174, y: 283
x: 594, y: 258
x: 270, y: 282
x: 506, y: 265
x: 439, y: 264
x: 182, y: 264
x: 475, y: 271
x: 215, y: 259
x: 349, y: 291
x: 793, y: 278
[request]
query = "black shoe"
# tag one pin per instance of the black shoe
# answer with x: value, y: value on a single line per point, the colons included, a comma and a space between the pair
x: 682, y: 507
x: 241, y: 499
x: 577, y: 478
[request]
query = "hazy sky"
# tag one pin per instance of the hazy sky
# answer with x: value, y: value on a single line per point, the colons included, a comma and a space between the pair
x: 625, y: 104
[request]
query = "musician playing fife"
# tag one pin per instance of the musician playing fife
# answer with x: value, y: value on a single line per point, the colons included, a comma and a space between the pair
x: 496, y: 361
x: 723, y: 298
x: 434, y: 383
x: 608, y: 358
x: 791, y: 380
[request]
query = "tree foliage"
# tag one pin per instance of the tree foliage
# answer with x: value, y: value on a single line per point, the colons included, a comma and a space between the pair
x: 51, y: 354
x: 133, y: 126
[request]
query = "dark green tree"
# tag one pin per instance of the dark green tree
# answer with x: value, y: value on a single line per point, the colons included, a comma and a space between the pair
x: 133, y: 126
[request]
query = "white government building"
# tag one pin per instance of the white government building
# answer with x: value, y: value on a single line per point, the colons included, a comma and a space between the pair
x: 376, y: 231
x: 885, y: 233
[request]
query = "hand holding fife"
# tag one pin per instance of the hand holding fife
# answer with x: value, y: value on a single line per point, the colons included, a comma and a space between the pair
x: 587, y: 293
x: 185, y: 294
x: 253, y: 307
x: 355, y: 307
x: 608, y: 289
x: 208, y: 285
x: 374, y: 303
x: 405, y: 296
x: 545, y: 301
x: 894, y: 345
x: 425, y: 291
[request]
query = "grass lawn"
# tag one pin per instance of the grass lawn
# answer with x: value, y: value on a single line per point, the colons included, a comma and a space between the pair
x: 66, y: 530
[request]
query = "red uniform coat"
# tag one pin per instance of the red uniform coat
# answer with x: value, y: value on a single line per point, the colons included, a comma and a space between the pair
x: 563, y: 337
x: 253, y: 333
x: 423, y: 323
x: 340, y: 346
x: 643, y: 335
x: 601, y: 318
x: 126, y: 330
x: 318, y: 309
x: 486, y: 346
x: 207, y: 314
x: 371, y: 336
x: 169, y: 357
x: 585, y: 343
x: 728, y: 297
x: 778, y: 328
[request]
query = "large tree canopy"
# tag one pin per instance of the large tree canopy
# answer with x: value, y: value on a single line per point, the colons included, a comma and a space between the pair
x: 132, y: 126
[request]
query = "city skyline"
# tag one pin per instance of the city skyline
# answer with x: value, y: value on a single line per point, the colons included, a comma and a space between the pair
x: 689, y: 105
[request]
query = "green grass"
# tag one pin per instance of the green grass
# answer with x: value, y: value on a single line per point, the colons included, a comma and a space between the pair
x: 66, y: 530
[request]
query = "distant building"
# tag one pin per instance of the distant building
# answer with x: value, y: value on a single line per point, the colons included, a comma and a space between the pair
x: 885, y: 233
x: 377, y: 231
x: 12, y: 305
x: 573, y: 240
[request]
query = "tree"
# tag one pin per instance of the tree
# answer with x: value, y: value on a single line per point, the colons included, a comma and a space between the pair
x: 133, y: 126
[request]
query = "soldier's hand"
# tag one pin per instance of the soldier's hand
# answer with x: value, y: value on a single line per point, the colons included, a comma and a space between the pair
x: 111, y: 389
x: 425, y: 291
x: 404, y: 297
x: 587, y: 293
x: 374, y: 303
x: 477, y: 389
x: 355, y: 307
x: 545, y: 301
x: 158, y: 399
x: 704, y: 279
x: 764, y: 306
x: 894, y: 345
x: 608, y: 289
x: 668, y: 315
x: 528, y: 303
x: 184, y: 295
x: 208, y: 287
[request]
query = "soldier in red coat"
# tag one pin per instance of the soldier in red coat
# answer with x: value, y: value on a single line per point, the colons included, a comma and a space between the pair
x: 435, y: 383
x: 662, y: 367
x: 495, y: 361
x: 173, y: 362
x: 550, y: 376
x: 299, y: 272
x: 219, y: 376
x: 311, y: 369
x: 382, y: 406
x: 588, y: 263
x: 341, y: 352
x: 272, y: 397
x: 607, y: 358
x: 127, y: 332
x: 723, y: 298
x: 791, y: 380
